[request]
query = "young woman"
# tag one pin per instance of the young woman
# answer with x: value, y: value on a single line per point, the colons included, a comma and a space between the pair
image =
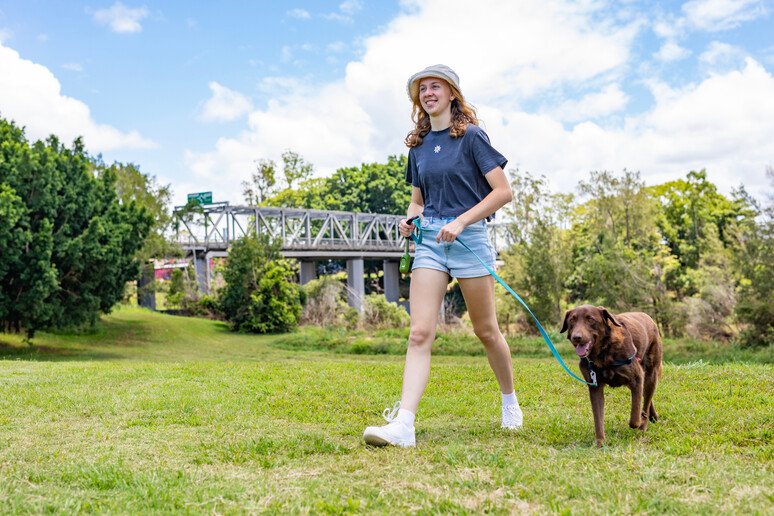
x: 458, y: 183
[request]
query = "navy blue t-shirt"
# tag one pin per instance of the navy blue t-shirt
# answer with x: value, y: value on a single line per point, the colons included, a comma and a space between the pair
x: 450, y: 171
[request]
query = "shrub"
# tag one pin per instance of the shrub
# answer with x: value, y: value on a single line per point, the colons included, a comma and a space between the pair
x: 183, y: 288
x: 380, y: 313
x: 325, y: 304
x: 259, y: 296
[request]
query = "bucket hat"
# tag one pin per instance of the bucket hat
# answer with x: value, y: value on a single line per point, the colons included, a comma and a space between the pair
x: 439, y: 70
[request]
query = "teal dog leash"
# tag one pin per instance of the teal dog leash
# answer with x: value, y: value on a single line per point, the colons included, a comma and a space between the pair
x: 418, y: 241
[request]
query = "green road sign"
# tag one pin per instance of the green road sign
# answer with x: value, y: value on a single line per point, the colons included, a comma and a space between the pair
x: 201, y: 197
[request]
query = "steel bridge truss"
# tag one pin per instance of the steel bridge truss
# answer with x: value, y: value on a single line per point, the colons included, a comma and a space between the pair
x: 299, y: 230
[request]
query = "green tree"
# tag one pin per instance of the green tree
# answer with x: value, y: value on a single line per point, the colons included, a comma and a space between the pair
x: 132, y: 185
x: 182, y: 289
x: 540, y: 259
x: 72, y: 245
x: 620, y: 260
x: 259, y: 296
x: 687, y: 207
x: 709, y: 308
x: 370, y: 188
x: 295, y: 168
x: 262, y: 182
x: 753, y: 240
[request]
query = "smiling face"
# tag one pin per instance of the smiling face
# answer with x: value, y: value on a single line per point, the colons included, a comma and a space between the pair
x: 585, y: 326
x: 435, y: 96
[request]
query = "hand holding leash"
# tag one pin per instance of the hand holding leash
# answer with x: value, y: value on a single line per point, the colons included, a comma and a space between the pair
x: 405, y: 260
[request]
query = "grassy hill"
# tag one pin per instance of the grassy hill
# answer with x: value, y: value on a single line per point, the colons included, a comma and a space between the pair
x: 148, y: 413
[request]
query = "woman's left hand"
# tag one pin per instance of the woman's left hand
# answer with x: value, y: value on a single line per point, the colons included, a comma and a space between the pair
x: 450, y: 231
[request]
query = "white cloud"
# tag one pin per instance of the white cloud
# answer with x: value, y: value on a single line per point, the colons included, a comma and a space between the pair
x: 347, y: 10
x: 120, y: 18
x: 31, y: 96
x: 73, y: 67
x: 719, y: 53
x: 336, y: 47
x: 5, y: 35
x: 350, y: 6
x: 301, y: 14
x: 225, y: 104
x: 287, y: 54
x: 610, y: 100
x: 669, y: 28
x: 671, y: 51
x: 708, y: 16
x: 534, y: 51
x: 339, y: 17
x: 716, y: 15
x: 768, y: 55
x: 723, y: 124
x: 530, y: 47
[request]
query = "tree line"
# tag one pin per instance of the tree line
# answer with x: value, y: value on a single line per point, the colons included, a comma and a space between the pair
x: 698, y: 261
x: 74, y: 230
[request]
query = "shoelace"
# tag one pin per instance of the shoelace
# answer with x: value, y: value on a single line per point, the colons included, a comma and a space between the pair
x: 388, y: 415
x: 514, y: 411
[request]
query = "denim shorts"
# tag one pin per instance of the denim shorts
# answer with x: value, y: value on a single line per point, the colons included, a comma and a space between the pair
x: 451, y: 257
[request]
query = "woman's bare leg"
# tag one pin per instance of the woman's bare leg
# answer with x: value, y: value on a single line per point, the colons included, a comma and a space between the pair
x: 428, y: 286
x: 480, y: 300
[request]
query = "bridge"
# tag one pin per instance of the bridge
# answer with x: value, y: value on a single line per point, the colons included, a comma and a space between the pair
x: 309, y: 236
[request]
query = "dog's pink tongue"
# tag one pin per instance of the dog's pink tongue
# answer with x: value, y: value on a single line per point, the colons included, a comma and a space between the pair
x: 583, y: 350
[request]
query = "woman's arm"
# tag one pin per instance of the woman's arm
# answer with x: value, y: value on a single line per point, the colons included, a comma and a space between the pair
x: 499, y: 196
x: 415, y: 208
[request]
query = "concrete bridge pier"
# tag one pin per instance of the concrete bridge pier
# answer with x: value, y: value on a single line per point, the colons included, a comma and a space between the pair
x: 391, y: 280
x: 202, y: 270
x: 356, y: 283
x: 308, y: 271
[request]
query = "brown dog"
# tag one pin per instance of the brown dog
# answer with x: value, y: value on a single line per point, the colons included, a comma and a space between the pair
x: 615, y: 350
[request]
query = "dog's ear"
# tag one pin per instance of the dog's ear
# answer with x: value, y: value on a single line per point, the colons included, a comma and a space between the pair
x: 564, y: 324
x: 607, y: 316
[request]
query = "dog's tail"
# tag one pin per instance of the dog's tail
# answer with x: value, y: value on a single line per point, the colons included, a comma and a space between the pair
x: 660, y: 369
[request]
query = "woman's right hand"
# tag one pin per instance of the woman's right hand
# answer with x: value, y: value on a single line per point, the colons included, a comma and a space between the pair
x: 404, y: 228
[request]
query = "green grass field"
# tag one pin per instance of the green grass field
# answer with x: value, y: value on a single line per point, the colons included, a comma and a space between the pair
x: 148, y: 413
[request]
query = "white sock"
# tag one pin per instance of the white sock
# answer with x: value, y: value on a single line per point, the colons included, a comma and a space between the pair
x: 406, y: 417
x: 510, y: 399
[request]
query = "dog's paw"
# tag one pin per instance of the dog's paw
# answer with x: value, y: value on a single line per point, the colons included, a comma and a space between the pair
x: 640, y: 424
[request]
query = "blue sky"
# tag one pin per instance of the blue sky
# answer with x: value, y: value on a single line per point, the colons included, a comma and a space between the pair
x: 194, y: 92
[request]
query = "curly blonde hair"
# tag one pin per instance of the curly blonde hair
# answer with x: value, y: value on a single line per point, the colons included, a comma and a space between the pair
x: 462, y: 114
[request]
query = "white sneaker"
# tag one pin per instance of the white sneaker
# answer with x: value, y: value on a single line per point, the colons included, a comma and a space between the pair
x: 395, y: 433
x: 512, y: 417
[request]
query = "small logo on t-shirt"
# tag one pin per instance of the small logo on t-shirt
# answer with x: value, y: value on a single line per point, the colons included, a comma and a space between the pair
x: 437, y: 149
